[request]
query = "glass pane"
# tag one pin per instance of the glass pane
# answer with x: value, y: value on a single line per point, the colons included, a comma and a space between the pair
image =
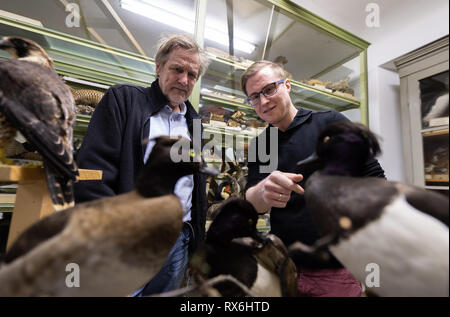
x: 434, y: 100
x: 435, y: 151
x: 246, y: 20
x: 89, y: 63
x: 131, y: 25
x: 224, y: 111
x: 220, y: 86
x: 315, y: 59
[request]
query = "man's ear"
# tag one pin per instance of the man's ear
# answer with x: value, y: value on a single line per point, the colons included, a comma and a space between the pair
x: 157, y: 70
x: 287, y: 82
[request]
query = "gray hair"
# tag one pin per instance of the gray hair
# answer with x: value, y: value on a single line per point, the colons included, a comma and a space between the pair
x: 256, y: 67
x: 169, y: 43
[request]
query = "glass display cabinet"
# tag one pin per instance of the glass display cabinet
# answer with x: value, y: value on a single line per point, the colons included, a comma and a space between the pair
x: 99, y: 43
x: 424, y: 103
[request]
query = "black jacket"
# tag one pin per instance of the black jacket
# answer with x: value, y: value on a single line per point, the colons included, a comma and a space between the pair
x: 294, y: 223
x: 113, y: 144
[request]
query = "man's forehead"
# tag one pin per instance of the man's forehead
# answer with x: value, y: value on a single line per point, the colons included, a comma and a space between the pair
x: 261, y: 79
x: 184, y: 55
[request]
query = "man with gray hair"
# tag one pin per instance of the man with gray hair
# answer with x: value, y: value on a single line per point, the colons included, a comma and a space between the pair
x: 129, y: 114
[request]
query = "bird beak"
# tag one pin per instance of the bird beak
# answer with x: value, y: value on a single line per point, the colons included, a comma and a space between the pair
x: 197, y: 156
x: 309, y: 163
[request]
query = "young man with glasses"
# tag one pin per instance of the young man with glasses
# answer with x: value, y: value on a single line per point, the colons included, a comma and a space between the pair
x: 268, y: 90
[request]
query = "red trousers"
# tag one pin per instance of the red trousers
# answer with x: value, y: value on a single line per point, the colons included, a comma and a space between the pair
x: 327, y: 283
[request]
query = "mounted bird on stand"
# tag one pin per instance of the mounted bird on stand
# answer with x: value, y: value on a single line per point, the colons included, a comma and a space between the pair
x: 35, y: 102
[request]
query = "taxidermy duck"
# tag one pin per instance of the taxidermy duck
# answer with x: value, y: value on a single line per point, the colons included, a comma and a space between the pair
x: 401, y: 228
x: 118, y: 243
x: 35, y: 102
x: 234, y: 247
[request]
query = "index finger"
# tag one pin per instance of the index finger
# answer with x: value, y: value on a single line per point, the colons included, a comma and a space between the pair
x: 288, y: 181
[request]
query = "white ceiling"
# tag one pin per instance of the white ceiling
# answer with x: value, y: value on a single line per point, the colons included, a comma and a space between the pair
x: 394, y: 14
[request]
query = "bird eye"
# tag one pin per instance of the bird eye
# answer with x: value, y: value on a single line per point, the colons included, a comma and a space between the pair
x: 326, y: 139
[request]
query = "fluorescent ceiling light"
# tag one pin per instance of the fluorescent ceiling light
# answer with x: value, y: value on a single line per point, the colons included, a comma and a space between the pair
x: 183, y: 20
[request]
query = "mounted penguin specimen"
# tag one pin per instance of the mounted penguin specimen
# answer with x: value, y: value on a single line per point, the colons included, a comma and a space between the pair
x: 118, y: 243
x: 233, y: 246
x: 364, y: 221
x: 35, y: 102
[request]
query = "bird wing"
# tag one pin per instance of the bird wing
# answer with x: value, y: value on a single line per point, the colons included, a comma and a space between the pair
x: 363, y: 200
x: 274, y: 256
x: 429, y: 202
x: 37, y: 233
x: 42, y: 108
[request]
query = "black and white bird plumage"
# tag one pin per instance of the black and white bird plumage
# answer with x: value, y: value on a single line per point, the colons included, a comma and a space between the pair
x: 401, y: 228
x: 233, y: 246
x: 119, y: 243
x: 35, y: 102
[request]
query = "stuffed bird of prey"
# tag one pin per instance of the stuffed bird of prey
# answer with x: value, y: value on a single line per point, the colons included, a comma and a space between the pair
x: 35, y: 102
x: 119, y: 243
x: 364, y: 221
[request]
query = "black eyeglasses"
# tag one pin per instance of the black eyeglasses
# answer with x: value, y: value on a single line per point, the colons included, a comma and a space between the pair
x: 268, y: 91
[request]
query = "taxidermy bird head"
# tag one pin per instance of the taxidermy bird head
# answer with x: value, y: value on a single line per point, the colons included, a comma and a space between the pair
x: 177, y: 158
x: 233, y: 219
x: 342, y: 149
x: 24, y: 49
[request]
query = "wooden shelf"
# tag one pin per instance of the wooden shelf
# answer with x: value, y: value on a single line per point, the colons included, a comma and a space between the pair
x: 436, y: 180
x: 32, y: 200
x: 435, y: 132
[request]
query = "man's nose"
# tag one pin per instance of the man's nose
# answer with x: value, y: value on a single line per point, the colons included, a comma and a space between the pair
x: 263, y: 99
x: 183, y: 78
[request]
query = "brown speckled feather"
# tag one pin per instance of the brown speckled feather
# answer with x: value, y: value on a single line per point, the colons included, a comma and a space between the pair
x: 35, y: 101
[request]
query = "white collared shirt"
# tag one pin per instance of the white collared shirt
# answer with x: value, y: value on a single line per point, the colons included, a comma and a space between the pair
x: 168, y: 123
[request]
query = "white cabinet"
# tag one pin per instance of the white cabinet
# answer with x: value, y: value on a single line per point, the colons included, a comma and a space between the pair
x: 424, y: 81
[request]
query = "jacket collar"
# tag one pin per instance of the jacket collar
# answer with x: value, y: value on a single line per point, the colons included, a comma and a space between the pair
x: 157, y: 98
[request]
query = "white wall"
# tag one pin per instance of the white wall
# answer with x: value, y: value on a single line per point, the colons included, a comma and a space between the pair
x: 405, y: 25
